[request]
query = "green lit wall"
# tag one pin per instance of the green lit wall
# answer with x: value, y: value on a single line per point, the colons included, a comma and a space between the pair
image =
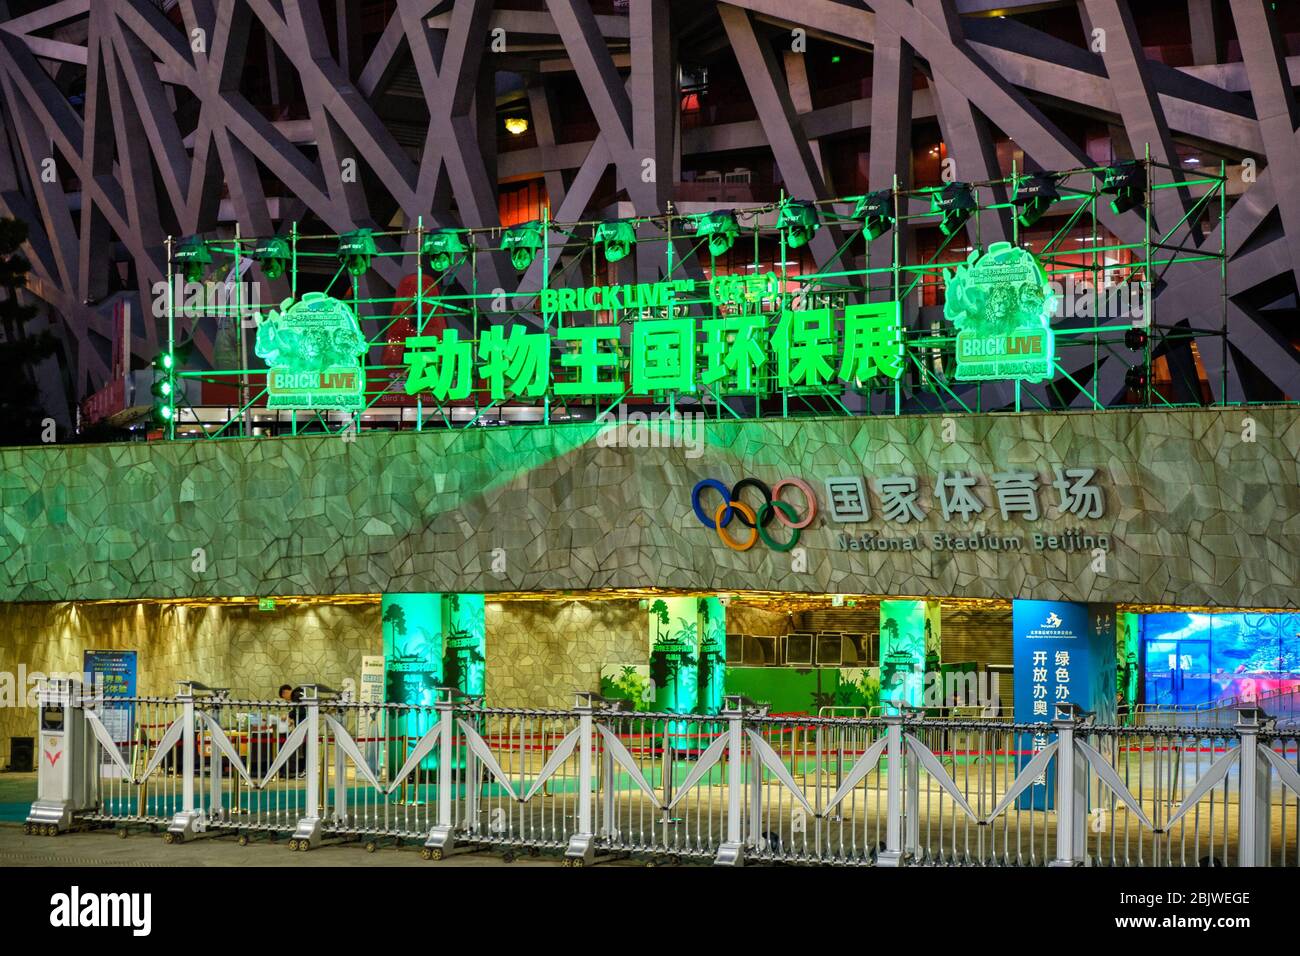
x: 1195, y: 513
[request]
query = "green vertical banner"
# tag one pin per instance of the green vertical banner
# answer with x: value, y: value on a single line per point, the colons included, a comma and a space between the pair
x: 712, y: 668
x: 464, y: 659
x: 904, y: 629
x: 412, y: 625
x: 1127, y: 638
x: 674, y: 629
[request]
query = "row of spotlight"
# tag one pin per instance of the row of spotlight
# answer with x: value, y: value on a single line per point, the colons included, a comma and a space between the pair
x: 798, y: 221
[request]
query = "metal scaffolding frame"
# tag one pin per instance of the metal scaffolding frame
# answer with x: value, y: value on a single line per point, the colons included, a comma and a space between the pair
x: 569, y: 257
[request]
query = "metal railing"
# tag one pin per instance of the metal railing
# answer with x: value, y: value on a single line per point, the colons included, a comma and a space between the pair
x: 597, y: 782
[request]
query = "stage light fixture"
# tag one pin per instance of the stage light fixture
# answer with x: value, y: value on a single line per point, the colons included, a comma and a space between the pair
x: 444, y: 249
x: 522, y: 242
x: 956, y: 203
x: 1136, y: 379
x: 799, y: 222
x: 1135, y: 339
x: 876, y: 212
x: 617, y: 238
x: 273, y: 256
x: 1035, y: 194
x: 356, y: 249
x: 1127, y: 183
x: 194, y: 257
x: 720, y: 227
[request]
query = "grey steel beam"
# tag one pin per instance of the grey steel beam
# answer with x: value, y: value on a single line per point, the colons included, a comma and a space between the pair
x: 1264, y: 52
x: 781, y: 123
x: 1139, y: 105
x: 892, y: 71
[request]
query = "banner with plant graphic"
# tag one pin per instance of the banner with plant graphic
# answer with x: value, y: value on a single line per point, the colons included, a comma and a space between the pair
x: 430, y: 640
x: 711, y: 656
x: 464, y: 660
x: 412, y: 626
x: 908, y: 630
x: 629, y: 682
x: 674, y: 628
x: 859, y: 687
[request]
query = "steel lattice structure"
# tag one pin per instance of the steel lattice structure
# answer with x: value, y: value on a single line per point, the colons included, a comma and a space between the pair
x: 164, y: 129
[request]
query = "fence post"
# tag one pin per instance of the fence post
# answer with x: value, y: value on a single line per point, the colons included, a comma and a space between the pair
x: 912, y: 810
x: 1071, y: 796
x: 342, y: 816
x: 189, y: 821
x: 732, y: 850
x: 894, y: 853
x: 307, y: 835
x: 67, y: 779
x: 582, y: 845
x: 1253, y: 823
x: 442, y: 836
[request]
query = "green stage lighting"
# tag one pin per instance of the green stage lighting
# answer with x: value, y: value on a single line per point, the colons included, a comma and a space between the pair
x: 445, y: 249
x: 616, y: 237
x: 720, y: 227
x: 956, y: 202
x: 1127, y: 183
x: 164, y: 387
x: 1035, y: 194
x: 356, y: 249
x: 273, y: 255
x: 799, y: 222
x: 876, y: 212
x: 193, y: 256
x: 165, y: 382
x: 522, y: 242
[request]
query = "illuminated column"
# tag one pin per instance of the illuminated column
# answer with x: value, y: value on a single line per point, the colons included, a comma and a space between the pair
x: 464, y: 657
x: 431, y: 640
x: 909, y: 641
x: 712, y: 655
x: 674, y: 631
x: 412, y: 627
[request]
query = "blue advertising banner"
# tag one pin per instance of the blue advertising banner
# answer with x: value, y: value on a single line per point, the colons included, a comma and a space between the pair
x: 1063, y: 653
x: 113, y: 674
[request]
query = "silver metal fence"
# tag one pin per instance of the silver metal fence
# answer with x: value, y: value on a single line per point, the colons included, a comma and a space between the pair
x: 598, y: 782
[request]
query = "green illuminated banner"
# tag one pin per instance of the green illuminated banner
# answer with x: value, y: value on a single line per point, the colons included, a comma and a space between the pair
x: 909, y: 633
x: 1002, y: 306
x: 313, y: 348
x: 810, y: 349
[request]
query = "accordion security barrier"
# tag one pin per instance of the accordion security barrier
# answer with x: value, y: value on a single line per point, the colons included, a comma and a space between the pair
x: 597, y: 783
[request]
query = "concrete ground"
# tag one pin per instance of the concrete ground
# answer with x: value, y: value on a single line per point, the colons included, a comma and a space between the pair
x: 143, y: 849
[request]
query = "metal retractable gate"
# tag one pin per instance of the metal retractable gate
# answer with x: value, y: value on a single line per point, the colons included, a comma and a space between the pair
x: 598, y: 782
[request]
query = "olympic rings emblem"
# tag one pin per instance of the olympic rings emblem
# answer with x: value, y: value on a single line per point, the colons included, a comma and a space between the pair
x: 774, y: 507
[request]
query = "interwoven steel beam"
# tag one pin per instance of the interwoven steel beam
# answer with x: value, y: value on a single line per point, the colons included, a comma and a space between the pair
x: 163, y: 129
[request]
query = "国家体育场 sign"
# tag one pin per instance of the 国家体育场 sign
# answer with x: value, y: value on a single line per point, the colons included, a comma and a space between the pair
x: 1002, y: 305
x: 313, y: 349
